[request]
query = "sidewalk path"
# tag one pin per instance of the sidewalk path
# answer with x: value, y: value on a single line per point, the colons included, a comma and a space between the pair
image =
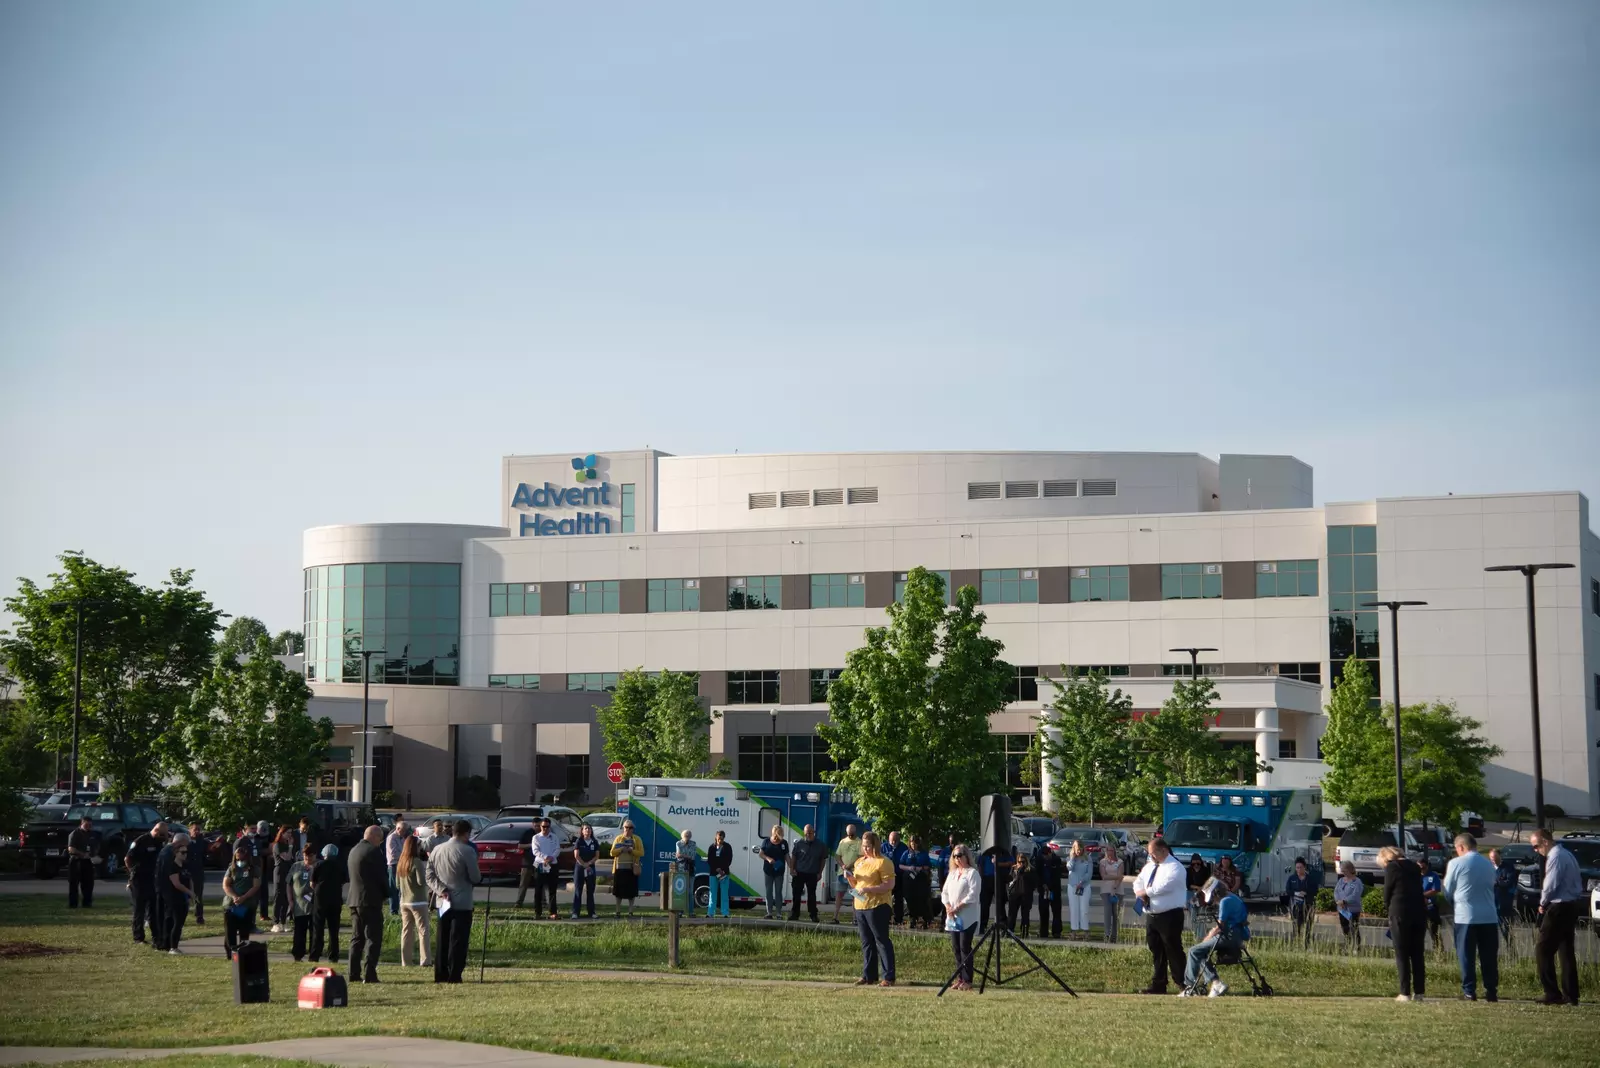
x: 369, y: 1051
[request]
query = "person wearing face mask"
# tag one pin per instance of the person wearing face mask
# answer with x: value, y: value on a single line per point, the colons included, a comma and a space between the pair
x: 240, y: 890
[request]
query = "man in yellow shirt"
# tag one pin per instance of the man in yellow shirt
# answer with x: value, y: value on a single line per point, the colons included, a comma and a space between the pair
x: 872, y: 886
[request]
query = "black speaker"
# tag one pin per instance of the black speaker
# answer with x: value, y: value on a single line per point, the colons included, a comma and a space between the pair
x: 994, y: 823
x: 250, y: 973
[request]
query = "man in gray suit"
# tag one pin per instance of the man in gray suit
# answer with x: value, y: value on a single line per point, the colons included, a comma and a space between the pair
x: 369, y: 896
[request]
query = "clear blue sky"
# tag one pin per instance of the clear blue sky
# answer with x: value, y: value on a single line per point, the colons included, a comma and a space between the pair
x: 269, y: 266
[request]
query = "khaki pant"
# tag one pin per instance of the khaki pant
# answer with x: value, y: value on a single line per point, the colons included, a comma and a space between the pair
x: 413, y: 931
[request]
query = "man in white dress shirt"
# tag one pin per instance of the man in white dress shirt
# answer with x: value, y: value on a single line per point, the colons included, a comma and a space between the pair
x: 1161, y: 889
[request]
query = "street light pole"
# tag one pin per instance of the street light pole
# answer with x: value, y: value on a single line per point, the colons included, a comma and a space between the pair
x: 1399, y: 771
x: 366, y: 731
x: 1528, y: 571
x: 773, y: 775
x: 1194, y: 657
x: 77, y: 686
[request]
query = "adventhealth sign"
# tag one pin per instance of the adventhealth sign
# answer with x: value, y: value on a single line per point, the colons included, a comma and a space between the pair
x: 589, y: 493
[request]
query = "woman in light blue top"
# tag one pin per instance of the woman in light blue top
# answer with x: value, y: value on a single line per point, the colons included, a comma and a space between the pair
x: 1080, y: 872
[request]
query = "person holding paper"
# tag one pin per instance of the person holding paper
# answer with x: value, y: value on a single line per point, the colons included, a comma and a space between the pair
x: 872, y: 886
x: 452, y: 873
x: 960, y: 894
x: 546, y: 849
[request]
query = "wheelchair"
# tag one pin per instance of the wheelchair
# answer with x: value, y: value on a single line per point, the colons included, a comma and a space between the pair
x: 1237, y: 955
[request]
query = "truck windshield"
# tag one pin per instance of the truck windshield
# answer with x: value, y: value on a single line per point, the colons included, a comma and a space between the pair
x: 1202, y: 834
x: 98, y: 814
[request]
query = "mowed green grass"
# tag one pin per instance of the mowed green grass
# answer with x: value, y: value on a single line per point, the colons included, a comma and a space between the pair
x: 193, y: 1060
x: 117, y: 994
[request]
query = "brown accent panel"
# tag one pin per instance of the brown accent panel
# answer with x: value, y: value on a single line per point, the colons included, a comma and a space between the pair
x: 1244, y: 670
x: 1238, y: 580
x: 1144, y: 671
x: 714, y: 594
x: 552, y: 683
x: 880, y: 589
x: 1054, y: 585
x: 794, y: 686
x: 796, y: 592
x: 632, y: 596
x: 1236, y: 718
x: 959, y: 579
x: 714, y: 687
x: 1144, y: 582
x: 1051, y: 671
x: 552, y: 598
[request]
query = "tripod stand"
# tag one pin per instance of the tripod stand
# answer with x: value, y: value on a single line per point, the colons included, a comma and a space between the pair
x: 996, y: 937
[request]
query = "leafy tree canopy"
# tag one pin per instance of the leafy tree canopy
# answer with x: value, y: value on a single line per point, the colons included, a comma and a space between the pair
x: 1086, y: 739
x: 909, y: 715
x: 1176, y: 746
x: 656, y: 725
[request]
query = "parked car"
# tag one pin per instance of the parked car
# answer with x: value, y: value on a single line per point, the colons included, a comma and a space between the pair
x: 1134, y: 852
x: 1361, y: 849
x: 1437, y: 842
x: 1029, y: 831
x: 558, y: 813
x: 111, y: 829
x: 502, y: 845
x: 1585, y: 849
x: 1093, y: 838
x: 607, y: 825
x: 478, y: 822
x: 1472, y: 823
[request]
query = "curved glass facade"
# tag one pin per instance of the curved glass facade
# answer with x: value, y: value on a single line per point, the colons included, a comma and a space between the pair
x: 409, y: 614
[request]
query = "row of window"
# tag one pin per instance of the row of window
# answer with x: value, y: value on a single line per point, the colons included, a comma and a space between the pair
x: 762, y: 687
x: 1282, y: 578
x: 1028, y: 489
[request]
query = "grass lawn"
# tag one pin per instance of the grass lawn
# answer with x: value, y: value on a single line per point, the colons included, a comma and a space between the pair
x: 113, y: 993
x: 197, y: 1060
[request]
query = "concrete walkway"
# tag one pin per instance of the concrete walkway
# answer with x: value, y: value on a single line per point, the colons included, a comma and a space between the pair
x: 371, y: 1051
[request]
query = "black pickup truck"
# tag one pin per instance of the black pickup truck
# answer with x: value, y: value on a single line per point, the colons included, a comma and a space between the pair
x: 113, y: 827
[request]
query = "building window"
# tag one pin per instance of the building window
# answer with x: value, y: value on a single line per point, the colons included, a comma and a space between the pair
x: 1190, y: 582
x: 1287, y: 749
x: 1286, y: 578
x: 1098, y: 584
x: 784, y: 758
x: 382, y: 769
x: 491, y: 770
x: 1110, y: 671
x: 577, y: 775
x: 673, y: 595
x: 627, y: 507
x: 1024, y: 684
x: 838, y: 591
x: 752, y: 687
x: 593, y: 598
x: 1184, y: 671
x: 1352, y: 579
x: 411, y: 612
x: 514, y: 682
x: 592, y: 682
x: 821, y: 679
x: 1010, y: 586
x: 1305, y: 672
x: 900, y: 579
x: 513, y: 598
x: 1594, y: 596
x: 755, y: 592
x: 1014, y: 751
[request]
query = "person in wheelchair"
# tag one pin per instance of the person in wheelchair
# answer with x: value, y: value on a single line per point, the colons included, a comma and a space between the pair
x: 1231, y: 930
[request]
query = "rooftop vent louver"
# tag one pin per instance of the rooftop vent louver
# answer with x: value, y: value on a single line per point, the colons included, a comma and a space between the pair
x: 827, y: 496
x: 863, y: 494
x: 983, y: 491
x: 796, y: 498
x: 1022, y: 489
x: 763, y: 500
x: 1099, y: 487
x: 1061, y: 487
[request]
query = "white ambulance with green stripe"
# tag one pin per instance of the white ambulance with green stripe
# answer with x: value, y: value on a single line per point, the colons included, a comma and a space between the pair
x: 746, y: 812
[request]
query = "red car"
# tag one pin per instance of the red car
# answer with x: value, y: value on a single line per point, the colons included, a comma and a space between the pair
x: 502, y: 845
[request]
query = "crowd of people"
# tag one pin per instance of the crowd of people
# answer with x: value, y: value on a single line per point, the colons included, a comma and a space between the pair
x: 302, y: 886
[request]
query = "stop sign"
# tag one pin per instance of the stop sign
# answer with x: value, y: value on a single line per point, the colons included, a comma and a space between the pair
x: 616, y: 772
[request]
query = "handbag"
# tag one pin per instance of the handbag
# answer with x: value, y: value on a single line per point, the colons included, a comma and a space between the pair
x: 953, y: 924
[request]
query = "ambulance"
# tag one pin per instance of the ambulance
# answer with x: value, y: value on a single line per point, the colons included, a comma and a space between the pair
x: 1263, y: 831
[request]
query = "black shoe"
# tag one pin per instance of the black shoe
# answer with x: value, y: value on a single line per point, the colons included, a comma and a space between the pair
x: 1152, y: 990
x: 1551, y: 999
x: 1491, y: 998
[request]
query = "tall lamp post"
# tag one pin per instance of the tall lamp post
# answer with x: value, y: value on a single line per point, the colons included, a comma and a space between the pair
x: 1399, y: 772
x: 773, y: 775
x: 1528, y: 571
x: 77, y: 681
x: 366, y: 731
x: 1194, y: 657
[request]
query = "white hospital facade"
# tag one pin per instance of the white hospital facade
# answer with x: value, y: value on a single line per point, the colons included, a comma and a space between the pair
x: 491, y: 646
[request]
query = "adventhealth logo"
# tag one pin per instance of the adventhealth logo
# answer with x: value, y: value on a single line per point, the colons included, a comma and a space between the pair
x: 718, y: 800
x: 590, y: 492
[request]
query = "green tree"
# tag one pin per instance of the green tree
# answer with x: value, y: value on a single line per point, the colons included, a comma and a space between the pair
x: 1347, y: 742
x: 21, y: 763
x: 144, y: 651
x: 245, y: 747
x: 678, y: 726
x: 1092, y: 756
x: 292, y: 640
x: 1444, y: 757
x: 910, y: 713
x: 239, y: 638
x: 1176, y: 746
x: 656, y: 725
x: 625, y: 722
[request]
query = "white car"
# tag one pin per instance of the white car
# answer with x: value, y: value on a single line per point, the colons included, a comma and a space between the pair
x: 1594, y: 906
x: 607, y: 825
